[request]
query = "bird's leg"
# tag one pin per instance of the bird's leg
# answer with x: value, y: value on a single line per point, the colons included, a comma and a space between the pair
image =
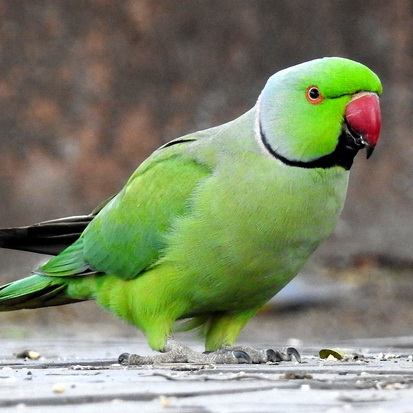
x: 173, y: 353
x: 177, y: 353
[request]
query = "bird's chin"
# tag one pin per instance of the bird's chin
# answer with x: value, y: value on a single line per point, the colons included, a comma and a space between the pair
x: 349, y: 144
x: 354, y: 141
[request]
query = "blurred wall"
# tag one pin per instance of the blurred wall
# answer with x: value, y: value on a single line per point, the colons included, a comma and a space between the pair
x: 89, y: 88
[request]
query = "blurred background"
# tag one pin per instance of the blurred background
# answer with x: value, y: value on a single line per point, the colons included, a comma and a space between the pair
x: 89, y: 88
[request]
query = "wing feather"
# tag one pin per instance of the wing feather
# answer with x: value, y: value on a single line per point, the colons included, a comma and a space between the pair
x: 128, y: 234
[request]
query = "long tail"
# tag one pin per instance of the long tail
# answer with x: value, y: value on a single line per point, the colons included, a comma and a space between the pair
x: 49, y: 237
x: 36, y: 291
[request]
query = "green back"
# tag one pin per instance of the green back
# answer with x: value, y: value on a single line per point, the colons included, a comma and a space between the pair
x: 127, y: 235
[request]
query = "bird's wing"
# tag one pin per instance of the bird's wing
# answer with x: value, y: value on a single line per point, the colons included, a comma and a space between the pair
x: 128, y: 234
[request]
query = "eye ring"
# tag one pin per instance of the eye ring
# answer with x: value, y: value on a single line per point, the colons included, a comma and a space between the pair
x: 313, y: 95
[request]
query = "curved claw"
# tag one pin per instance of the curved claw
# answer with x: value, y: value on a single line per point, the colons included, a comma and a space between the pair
x: 123, y: 359
x: 292, y: 351
x: 283, y: 355
x: 288, y: 354
x: 242, y: 357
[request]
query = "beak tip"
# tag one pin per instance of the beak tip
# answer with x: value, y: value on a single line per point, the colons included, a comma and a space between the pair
x: 369, y: 151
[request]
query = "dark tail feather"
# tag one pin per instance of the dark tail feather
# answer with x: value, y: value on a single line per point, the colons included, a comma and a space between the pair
x: 34, y: 292
x: 49, y: 237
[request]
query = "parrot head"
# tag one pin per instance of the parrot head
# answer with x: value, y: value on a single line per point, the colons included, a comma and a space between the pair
x: 320, y: 113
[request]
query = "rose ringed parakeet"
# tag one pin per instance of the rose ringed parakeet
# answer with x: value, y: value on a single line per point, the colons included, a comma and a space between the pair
x: 215, y: 223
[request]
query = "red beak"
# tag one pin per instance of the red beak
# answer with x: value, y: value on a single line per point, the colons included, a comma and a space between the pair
x: 364, y: 119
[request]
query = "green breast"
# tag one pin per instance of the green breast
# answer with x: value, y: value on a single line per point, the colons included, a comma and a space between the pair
x: 255, y: 223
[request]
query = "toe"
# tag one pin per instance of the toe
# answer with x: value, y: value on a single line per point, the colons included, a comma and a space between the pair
x: 242, y: 357
x: 293, y: 352
x: 286, y: 354
x: 123, y: 359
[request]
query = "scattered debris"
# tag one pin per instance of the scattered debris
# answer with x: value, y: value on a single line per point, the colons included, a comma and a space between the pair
x: 28, y: 354
x: 339, y: 354
x: 165, y: 401
x: 296, y: 376
x: 82, y: 367
x: 192, y: 367
x: 58, y: 388
x: 387, y: 356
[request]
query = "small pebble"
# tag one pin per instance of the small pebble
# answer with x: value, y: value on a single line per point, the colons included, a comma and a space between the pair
x: 165, y: 401
x: 294, y: 376
x: 58, y: 388
x: 29, y: 354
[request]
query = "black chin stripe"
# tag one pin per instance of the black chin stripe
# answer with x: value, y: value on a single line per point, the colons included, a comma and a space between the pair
x: 342, y: 156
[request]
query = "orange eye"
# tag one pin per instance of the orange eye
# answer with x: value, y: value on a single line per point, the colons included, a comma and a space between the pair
x: 313, y: 95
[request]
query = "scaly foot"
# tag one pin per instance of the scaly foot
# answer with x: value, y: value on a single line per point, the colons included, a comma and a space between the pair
x: 177, y: 353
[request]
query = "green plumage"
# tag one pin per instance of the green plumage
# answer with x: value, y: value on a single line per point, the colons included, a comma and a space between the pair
x: 211, y: 226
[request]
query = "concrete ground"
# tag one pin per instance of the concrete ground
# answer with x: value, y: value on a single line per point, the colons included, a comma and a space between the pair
x: 84, y: 375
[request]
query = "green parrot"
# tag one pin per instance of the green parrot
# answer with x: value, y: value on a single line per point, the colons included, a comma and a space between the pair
x: 213, y: 224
